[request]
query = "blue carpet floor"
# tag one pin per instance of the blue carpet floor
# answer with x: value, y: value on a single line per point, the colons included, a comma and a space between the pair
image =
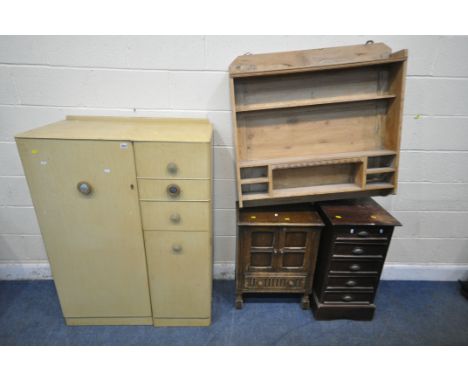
x: 408, y: 313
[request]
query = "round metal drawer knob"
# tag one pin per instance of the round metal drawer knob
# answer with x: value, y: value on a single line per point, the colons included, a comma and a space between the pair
x: 172, y: 168
x: 176, y: 247
x: 351, y: 283
x: 175, y: 218
x: 347, y: 298
x: 84, y: 187
x: 358, y: 251
x: 355, y: 267
x: 173, y: 190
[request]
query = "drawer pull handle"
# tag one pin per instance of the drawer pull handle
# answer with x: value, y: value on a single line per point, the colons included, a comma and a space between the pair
x: 358, y: 251
x: 84, y: 187
x: 175, y: 218
x: 355, y: 267
x: 347, y: 298
x: 173, y: 190
x: 351, y: 283
x: 363, y: 233
x: 172, y: 168
x: 176, y: 247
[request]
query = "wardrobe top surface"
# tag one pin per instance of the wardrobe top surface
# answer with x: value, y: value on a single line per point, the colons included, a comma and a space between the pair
x: 137, y: 129
x: 356, y: 212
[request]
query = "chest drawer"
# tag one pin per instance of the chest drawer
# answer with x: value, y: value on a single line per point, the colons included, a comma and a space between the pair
x: 359, y: 249
x: 173, y: 160
x: 172, y: 190
x: 335, y: 282
x: 176, y: 216
x: 348, y: 297
x: 355, y: 266
x: 363, y: 233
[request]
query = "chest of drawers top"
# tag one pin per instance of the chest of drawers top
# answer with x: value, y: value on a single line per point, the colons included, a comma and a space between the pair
x: 358, y: 212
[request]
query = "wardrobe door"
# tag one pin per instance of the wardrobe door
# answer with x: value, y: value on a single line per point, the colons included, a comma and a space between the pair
x: 86, y: 200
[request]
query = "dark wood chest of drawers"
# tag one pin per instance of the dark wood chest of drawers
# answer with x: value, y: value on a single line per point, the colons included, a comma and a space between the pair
x: 277, y: 250
x: 352, y: 252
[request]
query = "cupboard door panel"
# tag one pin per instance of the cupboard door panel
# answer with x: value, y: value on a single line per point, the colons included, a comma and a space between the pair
x: 260, y: 251
x: 94, y: 241
x: 180, y: 270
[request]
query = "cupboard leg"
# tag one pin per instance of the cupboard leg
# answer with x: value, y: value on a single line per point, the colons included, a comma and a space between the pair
x: 305, y: 302
x: 239, y: 301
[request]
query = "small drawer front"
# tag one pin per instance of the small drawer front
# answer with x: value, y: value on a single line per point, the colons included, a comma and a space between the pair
x: 334, y: 282
x: 173, y: 160
x: 363, y: 233
x: 173, y: 190
x: 355, y: 266
x: 348, y: 297
x: 275, y: 283
x: 176, y: 216
x: 360, y: 249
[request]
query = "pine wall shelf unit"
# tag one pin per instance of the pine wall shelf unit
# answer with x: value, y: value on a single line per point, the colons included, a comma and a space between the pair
x: 317, y: 124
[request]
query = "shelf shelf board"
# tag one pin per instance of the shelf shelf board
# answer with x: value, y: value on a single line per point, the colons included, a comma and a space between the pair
x: 379, y: 186
x: 302, y: 191
x: 312, y: 102
x: 313, y: 158
x: 316, y: 190
x: 254, y: 180
x: 379, y: 170
x: 256, y: 196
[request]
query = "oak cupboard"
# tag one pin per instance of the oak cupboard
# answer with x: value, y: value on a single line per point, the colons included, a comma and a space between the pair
x: 277, y: 250
x: 124, y: 208
x: 317, y: 124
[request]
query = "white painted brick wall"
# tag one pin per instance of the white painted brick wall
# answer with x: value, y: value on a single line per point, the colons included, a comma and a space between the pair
x: 43, y: 79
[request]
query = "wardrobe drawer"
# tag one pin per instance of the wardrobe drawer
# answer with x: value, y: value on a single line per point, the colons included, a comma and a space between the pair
x: 176, y: 216
x: 174, y: 190
x: 335, y: 282
x: 359, y: 249
x: 355, y: 266
x: 173, y: 160
x: 180, y: 273
x: 348, y: 297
